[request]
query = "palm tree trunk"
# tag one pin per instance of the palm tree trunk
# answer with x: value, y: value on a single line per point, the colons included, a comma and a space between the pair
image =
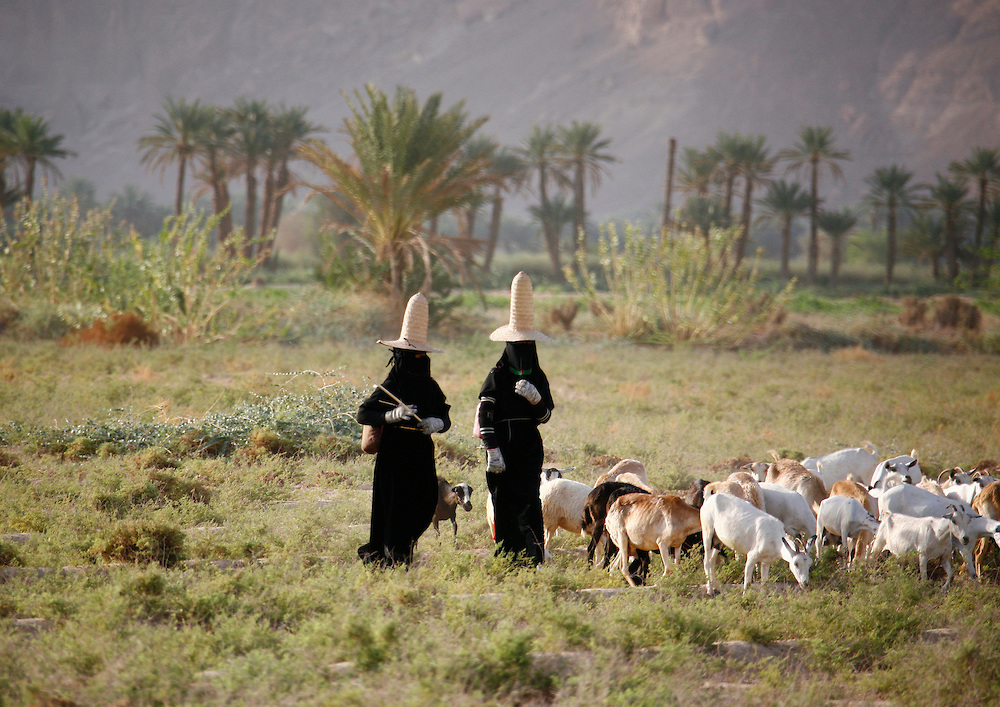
x: 579, y: 212
x: 835, y: 242
x: 425, y: 253
x: 814, y: 225
x: 786, y: 248
x: 29, y: 180
x: 266, y: 205
x: 251, y: 210
x: 951, y: 245
x: 494, y: 234
x: 281, y: 188
x: 741, y: 246
x: 669, y: 189
x: 179, y: 199
x: 890, y: 250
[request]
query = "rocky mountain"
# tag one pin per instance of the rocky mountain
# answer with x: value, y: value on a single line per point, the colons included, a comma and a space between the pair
x: 910, y: 81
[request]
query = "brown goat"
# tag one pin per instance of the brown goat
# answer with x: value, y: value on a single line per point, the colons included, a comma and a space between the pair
x: 640, y: 521
x: 792, y: 475
x: 986, y: 504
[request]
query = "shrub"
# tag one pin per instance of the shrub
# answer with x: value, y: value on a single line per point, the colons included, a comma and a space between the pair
x: 141, y: 542
x: 682, y: 288
x: 9, y: 556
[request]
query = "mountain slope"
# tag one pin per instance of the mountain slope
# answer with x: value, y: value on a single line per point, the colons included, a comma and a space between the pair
x: 909, y: 81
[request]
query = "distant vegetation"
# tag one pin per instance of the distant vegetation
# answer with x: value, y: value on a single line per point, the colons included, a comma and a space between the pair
x: 398, y: 211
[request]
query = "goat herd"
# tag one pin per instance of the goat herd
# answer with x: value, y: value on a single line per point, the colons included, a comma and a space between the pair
x: 768, y: 511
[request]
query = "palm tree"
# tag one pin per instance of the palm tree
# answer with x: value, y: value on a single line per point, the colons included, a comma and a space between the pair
x: 583, y: 155
x: 754, y: 166
x: 981, y: 168
x: 252, y: 137
x: 783, y: 203
x: 407, y: 167
x: 924, y: 240
x: 510, y: 173
x: 553, y: 214
x: 174, y: 139
x: 892, y: 192
x: 696, y: 171
x: 214, y: 149
x: 836, y: 225
x: 289, y: 130
x: 9, y: 192
x: 540, y: 151
x: 948, y: 195
x: 727, y: 154
x: 814, y: 151
x: 34, y: 147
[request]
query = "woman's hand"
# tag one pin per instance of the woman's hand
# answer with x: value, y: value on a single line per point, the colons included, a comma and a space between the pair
x: 400, y: 413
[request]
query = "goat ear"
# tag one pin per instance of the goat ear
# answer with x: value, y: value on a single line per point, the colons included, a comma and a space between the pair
x: 911, y: 464
x: 790, y: 548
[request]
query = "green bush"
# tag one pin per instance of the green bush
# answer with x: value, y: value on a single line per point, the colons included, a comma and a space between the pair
x: 141, y: 542
x: 681, y: 288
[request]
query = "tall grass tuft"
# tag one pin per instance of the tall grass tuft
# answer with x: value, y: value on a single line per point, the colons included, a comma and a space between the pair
x: 141, y: 542
x: 681, y: 288
x: 79, y: 269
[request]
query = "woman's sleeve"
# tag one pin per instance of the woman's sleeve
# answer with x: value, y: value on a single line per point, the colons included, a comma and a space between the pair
x: 373, y: 409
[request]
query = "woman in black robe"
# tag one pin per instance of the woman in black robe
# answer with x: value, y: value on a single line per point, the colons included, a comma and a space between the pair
x: 514, y: 400
x: 405, y: 489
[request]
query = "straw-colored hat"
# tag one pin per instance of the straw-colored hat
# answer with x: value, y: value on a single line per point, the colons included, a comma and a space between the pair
x: 414, y: 333
x: 522, y: 314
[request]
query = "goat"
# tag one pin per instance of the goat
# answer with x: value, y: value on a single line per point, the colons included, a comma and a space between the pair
x: 913, y: 501
x: 905, y: 464
x: 845, y: 517
x: 695, y: 493
x: 546, y: 474
x: 837, y: 466
x: 642, y: 521
x: 631, y: 471
x: 449, y: 498
x: 931, y: 538
x: 595, y: 511
x: 791, y: 509
x: 746, y: 529
x: 563, y: 502
x: 851, y: 488
x: 986, y: 503
x: 792, y: 475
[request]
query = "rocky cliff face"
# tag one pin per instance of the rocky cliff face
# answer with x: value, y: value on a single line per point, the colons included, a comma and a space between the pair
x: 909, y: 81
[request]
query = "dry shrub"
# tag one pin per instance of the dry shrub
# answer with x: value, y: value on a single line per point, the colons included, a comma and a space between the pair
x: 987, y: 466
x: 264, y: 441
x: 954, y: 312
x: 152, y: 458
x: 914, y: 311
x: 8, y: 460
x: 119, y: 329
x: 728, y: 466
x: 605, y: 461
x: 854, y: 353
x: 141, y: 542
x: 563, y: 315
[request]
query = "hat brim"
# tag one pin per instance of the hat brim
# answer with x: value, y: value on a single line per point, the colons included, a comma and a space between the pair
x: 509, y: 333
x: 410, y: 345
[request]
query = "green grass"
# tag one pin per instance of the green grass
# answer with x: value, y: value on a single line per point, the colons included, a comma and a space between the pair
x: 201, y: 579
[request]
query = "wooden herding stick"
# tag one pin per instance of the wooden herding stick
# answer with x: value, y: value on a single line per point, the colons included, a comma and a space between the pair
x: 415, y: 417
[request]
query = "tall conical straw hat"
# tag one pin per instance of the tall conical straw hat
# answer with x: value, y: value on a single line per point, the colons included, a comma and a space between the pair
x: 414, y: 332
x: 522, y: 314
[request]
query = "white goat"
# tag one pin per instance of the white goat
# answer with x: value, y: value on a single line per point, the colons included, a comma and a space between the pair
x: 836, y: 466
x: 563, y: 501
x: 905, y: 464
x: 747, y: 530
x: 858, y: 491
x: 930, y: 538
x: 791, y: 509
x: 642, y: 521
x: 845, y: 517
x: 546, y: 475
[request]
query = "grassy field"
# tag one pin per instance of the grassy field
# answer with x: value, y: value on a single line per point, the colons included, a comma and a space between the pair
x: 254, y: 594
